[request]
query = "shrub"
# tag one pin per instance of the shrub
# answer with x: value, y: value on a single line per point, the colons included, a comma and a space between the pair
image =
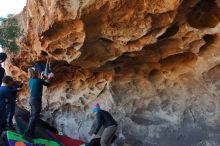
x: 9, y: 31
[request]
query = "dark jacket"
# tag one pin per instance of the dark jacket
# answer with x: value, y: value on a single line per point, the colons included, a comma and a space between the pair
x: 6, y: 93
x: 105, y: 119
x: 12, y: 99
x: 2, y: 73
x: 36, y: 88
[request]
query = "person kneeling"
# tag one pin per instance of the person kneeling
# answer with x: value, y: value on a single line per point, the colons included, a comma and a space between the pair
x: 105, y: 119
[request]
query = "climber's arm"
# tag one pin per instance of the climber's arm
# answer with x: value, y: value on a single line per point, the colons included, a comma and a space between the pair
x: 98, y: 123
x: 45, y: 83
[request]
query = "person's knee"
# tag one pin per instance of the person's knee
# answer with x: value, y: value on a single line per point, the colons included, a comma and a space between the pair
x: 35, y: 114
x: 33, y: 118
x: 104, y: 142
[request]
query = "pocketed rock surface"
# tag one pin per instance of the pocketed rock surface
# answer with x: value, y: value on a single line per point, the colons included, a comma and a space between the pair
x: 154, y: 64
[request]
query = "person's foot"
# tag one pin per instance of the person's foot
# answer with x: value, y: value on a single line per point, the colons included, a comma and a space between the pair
x: 11, y: 127
x: 2, y: 142
x: 28, y: 138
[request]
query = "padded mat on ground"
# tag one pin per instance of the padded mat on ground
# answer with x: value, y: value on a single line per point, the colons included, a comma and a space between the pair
x: 15, y: 139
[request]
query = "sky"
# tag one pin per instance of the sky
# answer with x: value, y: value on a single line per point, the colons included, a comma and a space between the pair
x: 11, y: 7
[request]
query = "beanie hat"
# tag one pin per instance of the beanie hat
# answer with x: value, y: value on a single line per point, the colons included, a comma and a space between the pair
x: 96, y: 108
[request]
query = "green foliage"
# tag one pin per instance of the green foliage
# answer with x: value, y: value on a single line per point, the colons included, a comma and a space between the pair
x: 9, y: 31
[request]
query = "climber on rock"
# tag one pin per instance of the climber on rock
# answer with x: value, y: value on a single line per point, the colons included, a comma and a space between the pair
x: 35, y: 101
x: 6, y: 93
x: 104, y: 118
x: 48, y: 74
x: 10, y: 106
x: 45, y: 70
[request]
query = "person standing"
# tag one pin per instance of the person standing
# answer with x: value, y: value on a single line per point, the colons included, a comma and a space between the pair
x: 104, y: 118
x: 5, y: 93
x: 10, y: 106
x: 35, y: 101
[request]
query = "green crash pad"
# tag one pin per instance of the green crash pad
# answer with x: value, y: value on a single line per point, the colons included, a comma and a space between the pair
x: 11, y: 137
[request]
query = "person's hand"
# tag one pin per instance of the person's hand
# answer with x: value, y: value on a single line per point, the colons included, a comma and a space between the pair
x: 93, y: 136
x: 21, y: 83
x: 42, y: 75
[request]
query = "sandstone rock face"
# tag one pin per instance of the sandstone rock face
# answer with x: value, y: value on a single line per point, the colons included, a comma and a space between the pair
x: 154, y: 64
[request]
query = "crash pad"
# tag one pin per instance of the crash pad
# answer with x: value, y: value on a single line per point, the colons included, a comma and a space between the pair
x: 15, y: 139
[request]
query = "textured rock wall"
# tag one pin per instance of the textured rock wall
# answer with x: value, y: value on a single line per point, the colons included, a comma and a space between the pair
x: 154, y: 64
